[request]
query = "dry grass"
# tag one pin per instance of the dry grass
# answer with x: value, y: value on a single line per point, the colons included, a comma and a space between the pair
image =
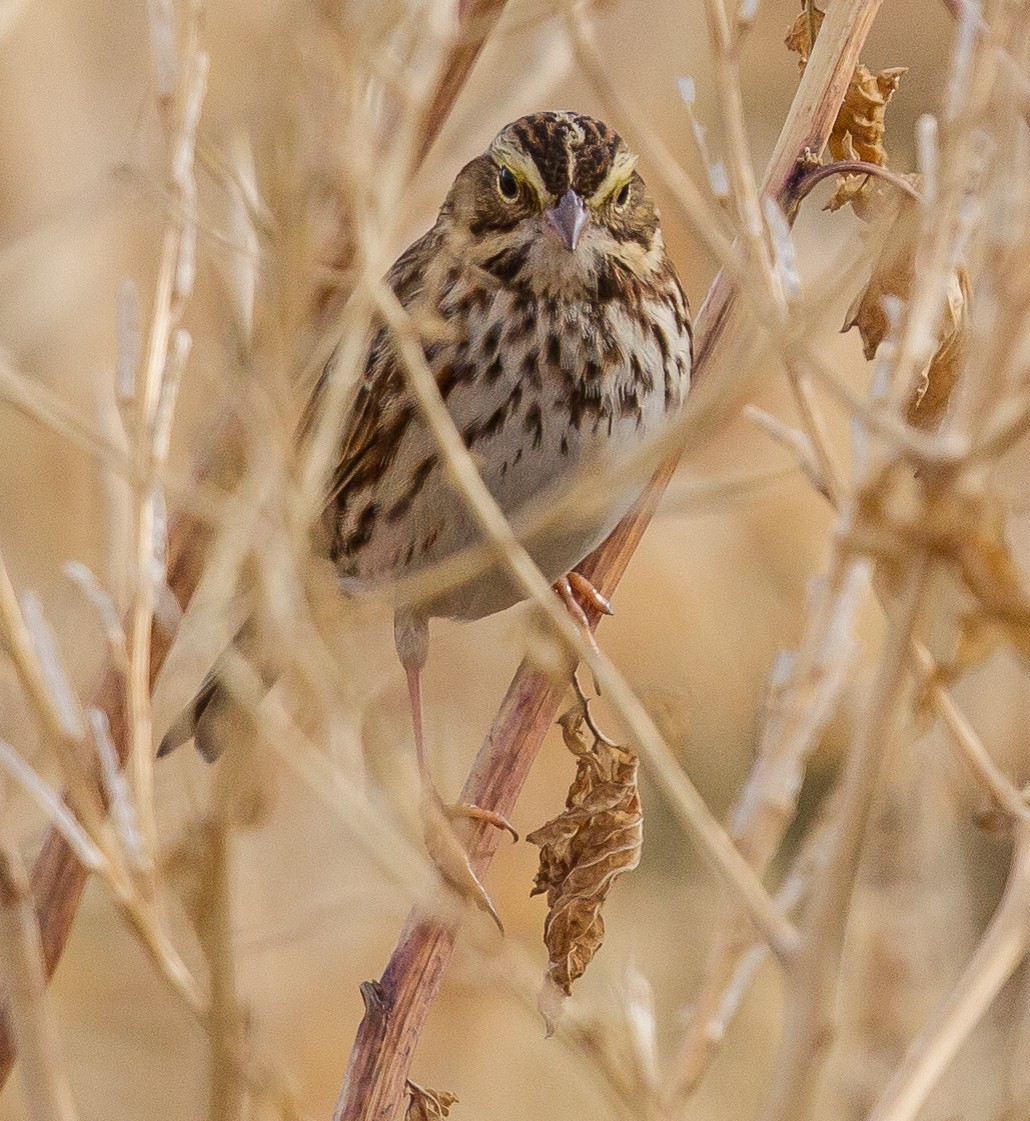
x: 821, y: 641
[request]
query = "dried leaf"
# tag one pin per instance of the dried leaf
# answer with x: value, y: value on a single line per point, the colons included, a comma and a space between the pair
x: 858, y: 131
x: 991, y: 573
x: 929, y: 402
x: 799, y: 35
x: 970, y: 533
x: 858, y: 135
x: 427, y: 1105
x: 892, y: 279
x: 582, y: 851
x: 861, y: 115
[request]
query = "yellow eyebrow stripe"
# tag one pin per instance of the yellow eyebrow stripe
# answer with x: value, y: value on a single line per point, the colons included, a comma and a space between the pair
x: 621, y: 170
x: 521, y: 166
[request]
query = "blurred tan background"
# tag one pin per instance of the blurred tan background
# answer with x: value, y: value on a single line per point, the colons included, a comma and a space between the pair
x: 713, y: 594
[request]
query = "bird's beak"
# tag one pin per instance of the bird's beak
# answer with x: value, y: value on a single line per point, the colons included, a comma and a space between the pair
x: 569, y: 218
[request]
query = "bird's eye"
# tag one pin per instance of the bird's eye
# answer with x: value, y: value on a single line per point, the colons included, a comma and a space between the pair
x: 622, y: 197
x: 507, y: 184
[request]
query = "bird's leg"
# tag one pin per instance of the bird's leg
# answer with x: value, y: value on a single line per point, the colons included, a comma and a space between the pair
x: 411, y: 635
x: 413, y: 671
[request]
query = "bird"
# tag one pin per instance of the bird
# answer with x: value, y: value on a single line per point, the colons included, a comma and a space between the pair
x: 559, y: 336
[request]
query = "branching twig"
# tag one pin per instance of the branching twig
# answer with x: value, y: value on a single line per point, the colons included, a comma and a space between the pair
x: 57, y: 877
x: 385, y: 1044
x: 1002, y: 948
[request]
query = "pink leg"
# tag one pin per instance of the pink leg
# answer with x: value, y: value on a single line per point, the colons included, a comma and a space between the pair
x: 462, y: 809
x: 414, y: 675
x: 411, y: 634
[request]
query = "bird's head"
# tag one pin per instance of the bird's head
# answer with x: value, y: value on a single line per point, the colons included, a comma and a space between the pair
x: 552, y: 202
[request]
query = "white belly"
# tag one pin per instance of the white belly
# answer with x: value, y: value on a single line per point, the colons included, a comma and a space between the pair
x: 535, y: 430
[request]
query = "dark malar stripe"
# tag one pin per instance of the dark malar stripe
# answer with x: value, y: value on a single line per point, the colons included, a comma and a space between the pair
x: 507, y: 264
x: 490, y: 224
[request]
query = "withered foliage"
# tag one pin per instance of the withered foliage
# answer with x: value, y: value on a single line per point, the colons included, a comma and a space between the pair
x: 991, y: 573
x: 803, y: 31
x: 858, y: 134
x: 964, y: 529
x: 891, y: 278
x: 858, y: 131
x: 582, y: 851
x: 427, y: 1105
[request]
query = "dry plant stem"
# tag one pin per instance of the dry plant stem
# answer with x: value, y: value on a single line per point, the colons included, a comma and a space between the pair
x: 398, y: 1005
x: 741, y: 172
x: 808, y: 1026
x: 1004, y: 945
x: 166, y: 354
x: 58, y: 879
x: 46, y: 1092
x: 477, y: 19
x: 1013, y: 70
x: 214, y: 930
x: 855, y: 167
x: 968, y: 743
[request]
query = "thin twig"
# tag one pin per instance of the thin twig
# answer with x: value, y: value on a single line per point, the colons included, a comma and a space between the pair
x: 385, y: 1043
x: 57, y: 878
x: 1004, y: 945
x: 46, y: 1092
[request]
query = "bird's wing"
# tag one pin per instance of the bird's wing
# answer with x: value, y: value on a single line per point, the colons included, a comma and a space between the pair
x: 381, y: 399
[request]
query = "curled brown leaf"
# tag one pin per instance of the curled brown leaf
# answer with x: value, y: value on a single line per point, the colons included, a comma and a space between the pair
x: 891, y: 279
x: 582, y: 851
x: 800, y: 37
x: 427, y: 1105
x: 861, y: 114
x: 858, y: 131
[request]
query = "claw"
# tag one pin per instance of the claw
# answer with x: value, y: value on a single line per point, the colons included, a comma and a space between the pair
x: 477, y: 813
x: 587, y: 594
x: 450, y: 856
x: 574, y: 606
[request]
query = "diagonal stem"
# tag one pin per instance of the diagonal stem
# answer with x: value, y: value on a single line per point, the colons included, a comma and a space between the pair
x: 57, y: 878
x: 374, y: 1085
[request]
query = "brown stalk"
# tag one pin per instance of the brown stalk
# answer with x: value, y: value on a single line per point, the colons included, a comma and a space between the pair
x: 44, y: 1085
x: 397, y: 1005
x: 57, y: 878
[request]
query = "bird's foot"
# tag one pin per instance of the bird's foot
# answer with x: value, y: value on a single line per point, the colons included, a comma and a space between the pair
x: 477, y: 813
x: 579, y: 595
x: 449, y: 854
x: 587, y: 594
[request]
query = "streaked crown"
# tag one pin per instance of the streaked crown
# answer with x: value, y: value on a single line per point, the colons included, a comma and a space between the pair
x: 569, y: 151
